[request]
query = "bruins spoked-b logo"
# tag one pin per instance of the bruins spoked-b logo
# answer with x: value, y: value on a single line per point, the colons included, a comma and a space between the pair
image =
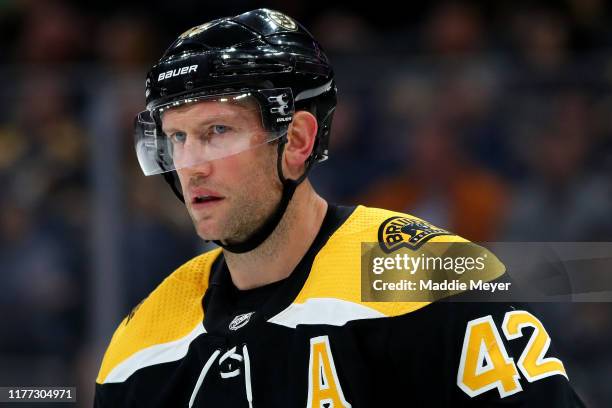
x: 403, y: 232
x: 282, y: 20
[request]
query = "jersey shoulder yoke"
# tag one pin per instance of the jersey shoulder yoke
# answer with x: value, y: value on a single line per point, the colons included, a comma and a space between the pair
x: 336, y: 277
x: 156, y: 328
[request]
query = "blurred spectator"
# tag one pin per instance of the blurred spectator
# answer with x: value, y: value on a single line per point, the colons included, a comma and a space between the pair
x: 454, y: 30
x: 126, y: 43
x: 562, y: 200
x: 51, y: 32
x: 539, y: 37
x: 438, y: 184
x: 590, y: 25
x: 344, y: 32
x: 41, y: 283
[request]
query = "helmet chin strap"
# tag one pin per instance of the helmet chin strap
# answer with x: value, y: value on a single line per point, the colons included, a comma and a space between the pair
x: 263, y: 232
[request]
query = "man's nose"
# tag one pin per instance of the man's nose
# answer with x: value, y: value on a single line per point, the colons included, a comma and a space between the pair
x: 194, y: 156
x: 194, y: 175
x: 202, y: 168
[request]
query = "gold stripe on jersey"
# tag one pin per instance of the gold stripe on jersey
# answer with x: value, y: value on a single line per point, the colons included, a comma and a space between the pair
x: 169, y: 313
x: 336, y: 270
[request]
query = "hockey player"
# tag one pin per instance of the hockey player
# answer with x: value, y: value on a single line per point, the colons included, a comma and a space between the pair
x: 238, y: 110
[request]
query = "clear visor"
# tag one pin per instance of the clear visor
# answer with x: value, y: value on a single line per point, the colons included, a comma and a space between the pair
x: 197, y: 130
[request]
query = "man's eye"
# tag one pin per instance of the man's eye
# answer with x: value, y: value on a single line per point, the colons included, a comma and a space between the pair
x: 178, y: 137
x: 219, y: 129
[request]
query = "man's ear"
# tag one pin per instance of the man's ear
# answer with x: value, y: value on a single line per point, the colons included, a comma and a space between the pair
x: 301, y: 138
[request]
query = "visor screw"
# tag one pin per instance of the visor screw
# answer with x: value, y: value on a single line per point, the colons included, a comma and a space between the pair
x: 188, y: 84
x: 163, y: 91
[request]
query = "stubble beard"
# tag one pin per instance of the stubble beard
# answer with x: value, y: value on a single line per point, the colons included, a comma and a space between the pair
x: 250, y: 206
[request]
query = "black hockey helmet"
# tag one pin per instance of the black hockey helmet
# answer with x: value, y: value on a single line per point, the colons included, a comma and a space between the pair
x: 262, y: 54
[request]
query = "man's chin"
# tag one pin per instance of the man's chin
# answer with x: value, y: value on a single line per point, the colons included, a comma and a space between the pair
x: 207, y: 231
x: 209, y: 234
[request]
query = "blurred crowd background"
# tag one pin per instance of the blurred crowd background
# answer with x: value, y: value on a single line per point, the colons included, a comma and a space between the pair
x: 491, y: 119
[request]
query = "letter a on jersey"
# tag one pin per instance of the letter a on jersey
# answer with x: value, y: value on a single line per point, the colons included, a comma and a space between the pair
x: 324, y: 389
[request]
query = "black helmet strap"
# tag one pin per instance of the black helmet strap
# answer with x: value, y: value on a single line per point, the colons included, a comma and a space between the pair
x: 289, y: 187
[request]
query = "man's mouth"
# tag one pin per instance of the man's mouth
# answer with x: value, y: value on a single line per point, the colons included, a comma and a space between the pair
x: 202, y: 199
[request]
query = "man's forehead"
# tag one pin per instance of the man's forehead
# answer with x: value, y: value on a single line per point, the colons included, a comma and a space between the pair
x: 223, y: 107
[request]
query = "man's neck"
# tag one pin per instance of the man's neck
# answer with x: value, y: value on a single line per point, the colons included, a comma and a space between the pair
x: 278, y: 255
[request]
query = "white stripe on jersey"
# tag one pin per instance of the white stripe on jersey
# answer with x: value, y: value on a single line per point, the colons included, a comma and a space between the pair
x: 332, y: 311
x: 157, y: 354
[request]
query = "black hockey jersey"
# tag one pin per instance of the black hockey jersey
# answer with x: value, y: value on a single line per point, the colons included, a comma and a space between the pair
x: 310, y: 341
